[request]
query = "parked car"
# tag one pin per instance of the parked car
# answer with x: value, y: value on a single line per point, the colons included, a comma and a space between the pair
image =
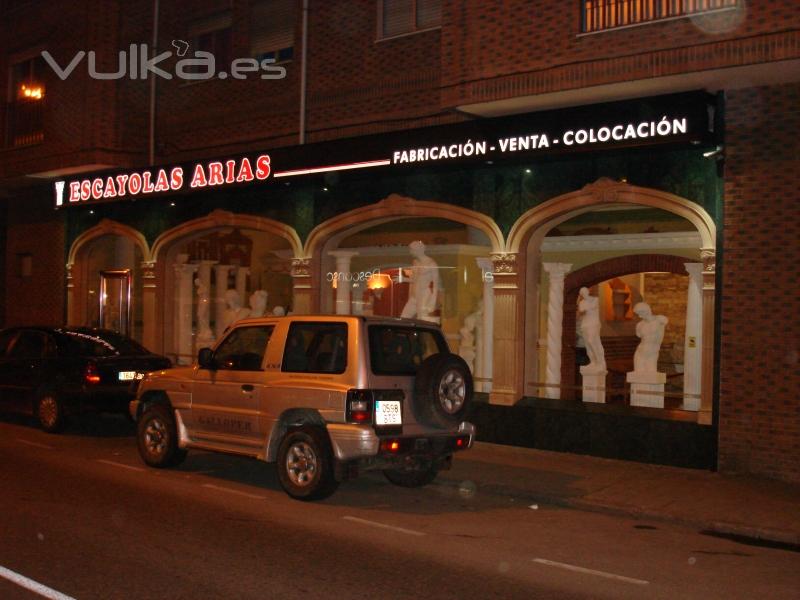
x: 324, y: 397
x: 56, y: 371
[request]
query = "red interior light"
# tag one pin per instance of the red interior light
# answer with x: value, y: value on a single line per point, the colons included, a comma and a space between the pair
x: 394, y: 446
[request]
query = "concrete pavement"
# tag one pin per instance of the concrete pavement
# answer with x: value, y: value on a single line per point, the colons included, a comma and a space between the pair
x: 754, y: 508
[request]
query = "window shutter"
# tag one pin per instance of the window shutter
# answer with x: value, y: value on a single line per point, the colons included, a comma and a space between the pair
x: 398, y: 17
x: 272, y: 26
x: 429, y: 13
x: 210, y: 23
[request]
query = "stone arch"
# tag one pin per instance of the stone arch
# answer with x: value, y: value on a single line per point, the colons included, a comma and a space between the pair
x: 107, y: 227
x: 401, y: 206
x: 392, y: 207
x: 224, y: 218
x: 607, y: 191
x: 592, y: 275
x: 77, y: 275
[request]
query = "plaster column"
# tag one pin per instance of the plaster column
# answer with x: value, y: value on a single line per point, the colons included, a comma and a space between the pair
x: 705, y: 416
x: 149, y: 288
x: 184, y: 275
x: 241, y: 283
x: 302, y: 288
x: 220, y: 287
x: 72, y: 307
x: 507, y: 330
x: 693, y: 343
x: 486, y: 330
x: 555, y: 320
x: 343, y: 286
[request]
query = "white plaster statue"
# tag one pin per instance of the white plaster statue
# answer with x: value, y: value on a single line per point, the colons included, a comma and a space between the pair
x: 425, y: 284
x: 278, y: 311
x: 589, y: 309
x: 204, y: 333
x: 258, y: 303
x: 651, y: 331
x: 234, y: 311
x: 466, y: 348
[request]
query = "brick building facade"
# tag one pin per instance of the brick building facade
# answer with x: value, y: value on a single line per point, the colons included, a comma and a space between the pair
x: 474, y: 61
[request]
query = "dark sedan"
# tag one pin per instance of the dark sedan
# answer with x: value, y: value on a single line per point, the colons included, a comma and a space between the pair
x: 57, y: 371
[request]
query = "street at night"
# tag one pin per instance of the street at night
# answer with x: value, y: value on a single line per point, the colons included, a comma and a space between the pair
x: 82, y: 515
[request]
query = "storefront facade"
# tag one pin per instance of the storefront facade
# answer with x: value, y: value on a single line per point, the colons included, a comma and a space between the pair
x: 515, y: 215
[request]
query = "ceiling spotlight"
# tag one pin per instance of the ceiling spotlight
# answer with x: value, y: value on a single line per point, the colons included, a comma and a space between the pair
x: 716, y: 152
x: 528, y: 171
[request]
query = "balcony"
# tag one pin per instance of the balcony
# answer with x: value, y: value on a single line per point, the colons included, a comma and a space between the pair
x: 601, y: 15
x: 25, y: 122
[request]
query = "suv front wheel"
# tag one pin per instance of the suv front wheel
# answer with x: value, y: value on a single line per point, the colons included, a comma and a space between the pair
x: 305, y: 464
x: 157, y: 437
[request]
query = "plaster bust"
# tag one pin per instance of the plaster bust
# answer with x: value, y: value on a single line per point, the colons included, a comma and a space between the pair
x: 651, y: 331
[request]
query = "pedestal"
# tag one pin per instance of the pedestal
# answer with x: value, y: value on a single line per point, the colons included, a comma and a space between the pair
x: 647, y: 389
x: 594, y: 384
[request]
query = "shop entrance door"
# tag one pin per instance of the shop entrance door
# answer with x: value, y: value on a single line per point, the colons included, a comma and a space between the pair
x: 115, y: 300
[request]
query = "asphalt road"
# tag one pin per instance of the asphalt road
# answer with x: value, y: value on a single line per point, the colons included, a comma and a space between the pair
x: 82, y: 515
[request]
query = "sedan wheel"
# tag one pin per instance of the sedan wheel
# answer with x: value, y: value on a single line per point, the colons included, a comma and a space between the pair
x: 49, y: 412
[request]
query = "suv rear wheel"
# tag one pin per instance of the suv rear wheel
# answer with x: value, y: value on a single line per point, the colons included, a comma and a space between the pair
x: 443, y: 390
x: 305, y: 464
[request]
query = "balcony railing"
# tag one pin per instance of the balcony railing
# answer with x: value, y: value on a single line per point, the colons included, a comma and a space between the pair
x: 25, y: 119
x: 598, y: 15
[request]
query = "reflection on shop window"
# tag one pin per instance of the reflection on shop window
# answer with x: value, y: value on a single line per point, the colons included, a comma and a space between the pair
x: 430, y: 269
x: 218, y: 277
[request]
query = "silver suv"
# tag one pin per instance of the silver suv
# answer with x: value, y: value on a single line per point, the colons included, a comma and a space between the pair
x: 324, y: 397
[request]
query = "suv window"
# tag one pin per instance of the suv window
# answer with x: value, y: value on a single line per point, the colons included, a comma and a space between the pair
x: 401, y: 350
x: 243, y: 349
x: 316, y: 348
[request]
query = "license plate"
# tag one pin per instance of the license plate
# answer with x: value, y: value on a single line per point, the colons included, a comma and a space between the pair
x: 387, y: 412
x: 129, y: 375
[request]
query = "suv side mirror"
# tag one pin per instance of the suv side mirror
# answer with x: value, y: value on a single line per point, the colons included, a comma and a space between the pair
x: 205, y: 358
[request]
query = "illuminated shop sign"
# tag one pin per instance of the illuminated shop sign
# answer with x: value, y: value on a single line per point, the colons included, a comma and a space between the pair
x: 676, y: 119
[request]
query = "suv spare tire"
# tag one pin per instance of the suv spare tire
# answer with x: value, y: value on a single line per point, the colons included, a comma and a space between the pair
x: 443, y: 390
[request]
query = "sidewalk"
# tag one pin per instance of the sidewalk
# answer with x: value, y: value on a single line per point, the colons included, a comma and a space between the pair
x: 754, y: 508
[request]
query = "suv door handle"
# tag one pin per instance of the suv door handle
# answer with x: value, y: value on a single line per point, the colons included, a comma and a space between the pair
x: 247, y: 387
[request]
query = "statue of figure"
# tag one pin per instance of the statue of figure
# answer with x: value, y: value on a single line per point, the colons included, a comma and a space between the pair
x: 234, y: 311
x: 651, y: 331
x: 204, y: 333
x: 425, y: 283
x: 589, y: 308
x: 258, y: 303
x: 278, y: 311
x: 467, y: 348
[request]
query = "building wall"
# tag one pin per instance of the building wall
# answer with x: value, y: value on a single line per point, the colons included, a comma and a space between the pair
x: 37, y: 231
x: 759, y: 426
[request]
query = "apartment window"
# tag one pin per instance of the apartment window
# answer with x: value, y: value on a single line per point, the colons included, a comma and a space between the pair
x: 211, y: 34
x: 272, y: 30
x: 25, y: 123
x: 609, y: 14
x: 399, y: 17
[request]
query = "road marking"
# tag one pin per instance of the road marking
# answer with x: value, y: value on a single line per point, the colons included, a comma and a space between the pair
x: 35, y: 444
x: 560, y: 565
x: 383, y: 526
x: 119, y: 464
x: 33, y: 586
x: 211, y: 486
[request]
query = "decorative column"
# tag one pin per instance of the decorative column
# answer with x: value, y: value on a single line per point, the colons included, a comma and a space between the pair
x: 241, y: 283
x: 184, y: 275
x: 555, y: 319
x: 150, y: 336
x: 486, y: 337
x: 302, y: 302
x: 343, y: 285
x: 704, y: 417
x: 72, y: 308
x: 693, y: 343
x: 507, y: 329
x: 220, y: 287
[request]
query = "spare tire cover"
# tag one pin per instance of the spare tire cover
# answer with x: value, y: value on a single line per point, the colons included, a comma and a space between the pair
x: 443, y: 390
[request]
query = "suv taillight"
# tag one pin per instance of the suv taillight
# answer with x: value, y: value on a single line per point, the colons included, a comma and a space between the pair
x: 91, y: 375
x: 359, y: 406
